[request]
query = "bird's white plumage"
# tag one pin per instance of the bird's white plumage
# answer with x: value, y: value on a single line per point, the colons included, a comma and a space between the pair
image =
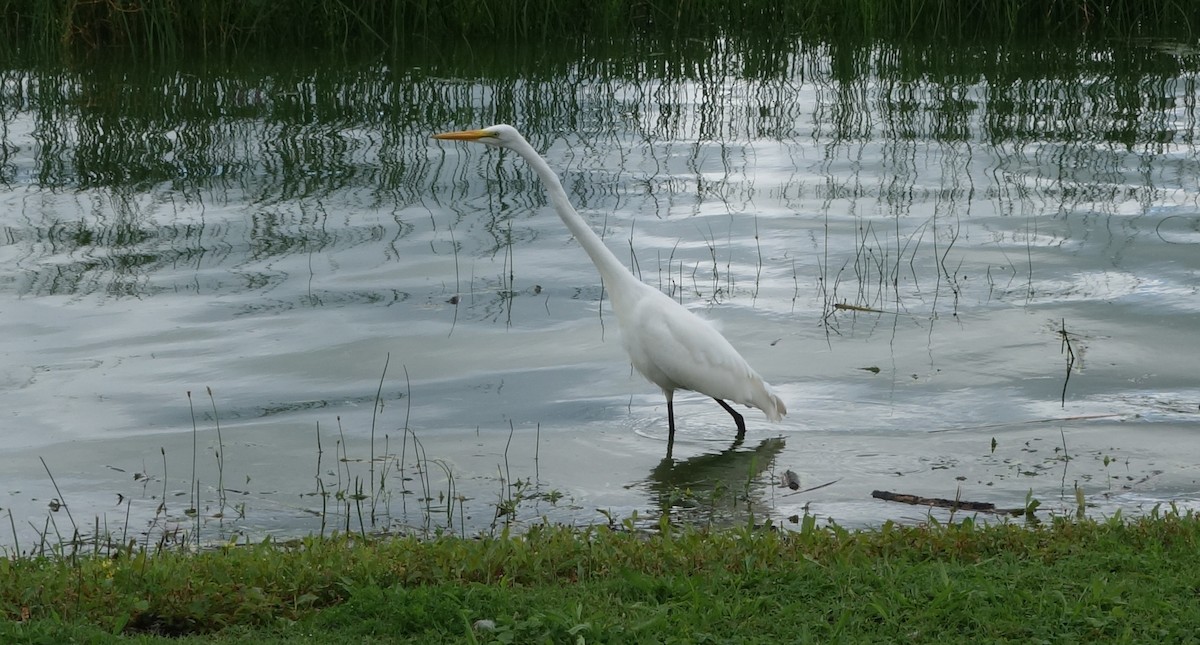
x: 677, y: 350
x: 669, y: 345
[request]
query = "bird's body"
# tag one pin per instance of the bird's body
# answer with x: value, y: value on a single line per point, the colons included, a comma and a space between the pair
x: 669, y: 345
x: 677, y: 350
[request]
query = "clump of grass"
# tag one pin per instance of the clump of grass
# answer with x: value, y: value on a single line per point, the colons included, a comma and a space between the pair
x: 1062, y: 581
x: 158, y: 28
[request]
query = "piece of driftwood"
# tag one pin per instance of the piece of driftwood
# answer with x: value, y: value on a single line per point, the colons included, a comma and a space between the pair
x: 941, y: 502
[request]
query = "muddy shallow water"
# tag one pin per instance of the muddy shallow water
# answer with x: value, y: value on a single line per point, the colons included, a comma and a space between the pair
x: 968, y: 274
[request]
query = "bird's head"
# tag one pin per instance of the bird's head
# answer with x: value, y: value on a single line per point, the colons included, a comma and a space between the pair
x: 504, y: 136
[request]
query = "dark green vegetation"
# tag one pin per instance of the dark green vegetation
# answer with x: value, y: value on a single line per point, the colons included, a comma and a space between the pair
x: 163, y: 28
x: 1111, y: 581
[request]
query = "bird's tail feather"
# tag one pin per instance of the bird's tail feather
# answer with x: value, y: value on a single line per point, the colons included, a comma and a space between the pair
x: 771, y: 404
x: 778, y: 407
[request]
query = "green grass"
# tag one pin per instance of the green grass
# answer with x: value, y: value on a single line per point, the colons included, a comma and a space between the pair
x: 161, y: 28
x: 1067, y: 581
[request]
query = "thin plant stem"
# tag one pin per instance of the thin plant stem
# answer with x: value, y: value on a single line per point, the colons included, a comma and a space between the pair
x: 220, y: 451
x: 61, y: 499
x: 195, y: 500
x: 374, y: 418
x: 16, y: 541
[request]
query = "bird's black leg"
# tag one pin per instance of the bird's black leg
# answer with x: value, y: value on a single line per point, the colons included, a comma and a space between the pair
x: 737, y: 418
x: 670, y: 424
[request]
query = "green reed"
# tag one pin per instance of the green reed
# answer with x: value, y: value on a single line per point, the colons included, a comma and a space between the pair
x: 162, y: 28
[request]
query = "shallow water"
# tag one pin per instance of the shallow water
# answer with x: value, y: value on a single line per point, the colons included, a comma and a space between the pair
x: 904, y: 240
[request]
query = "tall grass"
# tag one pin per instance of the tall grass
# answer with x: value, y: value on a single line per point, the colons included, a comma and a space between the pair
x: 158, y: 28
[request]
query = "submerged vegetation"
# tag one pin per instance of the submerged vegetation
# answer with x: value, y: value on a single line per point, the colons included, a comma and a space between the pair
x: 1069, y: 581
x: 164, y: 28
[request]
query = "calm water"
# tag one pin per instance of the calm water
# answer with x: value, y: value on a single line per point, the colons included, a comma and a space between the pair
x: 971, y: 272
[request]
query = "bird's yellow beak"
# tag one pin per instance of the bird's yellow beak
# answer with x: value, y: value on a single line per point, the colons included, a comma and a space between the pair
x: 465, y: 135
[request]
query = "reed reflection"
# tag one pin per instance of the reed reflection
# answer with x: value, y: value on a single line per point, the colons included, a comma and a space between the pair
x: 683, y: 125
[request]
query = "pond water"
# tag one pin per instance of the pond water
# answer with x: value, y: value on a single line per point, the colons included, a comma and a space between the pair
x: 259, y: 299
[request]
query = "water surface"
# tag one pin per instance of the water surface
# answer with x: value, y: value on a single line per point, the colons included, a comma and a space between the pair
x: 971, y: 272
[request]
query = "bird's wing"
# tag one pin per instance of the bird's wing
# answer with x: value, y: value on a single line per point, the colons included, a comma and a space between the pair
x: 674, y: 348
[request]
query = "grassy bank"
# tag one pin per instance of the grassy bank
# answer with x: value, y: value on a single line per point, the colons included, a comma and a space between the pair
x: 1111, y: 581
x: 208, y: 27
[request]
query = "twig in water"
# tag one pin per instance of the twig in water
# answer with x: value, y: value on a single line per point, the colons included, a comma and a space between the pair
x: 509, y: 261
x: 449, y: 472
x: 195, y: 501
x: 710, y: 241
x: 634, y: 265
x: 220, y: 452
x: 422, y: 460
x: 759, y: 265
x: 374, y: 415
x: 941, y: 502
x: 511, y: 430
x: 407, y: 397
x: 13, y: 524
x: 358, y: 498
x: 345, y: 459
x: 61, y: 499
x: 125, y: 529
x: 320, y: 451
x: 162, y: 503
x: 537, y: 445
x: 1066, y: 458
x: 671, y: 277
x: 796, y: 285
x: 320, y: 482
x: 817, y: 487
x: 600, y: 305
x: 849, y: 307
x: 324, y: 504
x: 197, y: 514
x: 404, y: 440
x: 41, y: 547
x: 457, y: 283
x: 1066, y: 348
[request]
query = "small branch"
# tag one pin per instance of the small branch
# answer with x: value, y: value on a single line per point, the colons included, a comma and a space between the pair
x: 62, y: 500
x: 1070, y: 352
x: 940, y: 502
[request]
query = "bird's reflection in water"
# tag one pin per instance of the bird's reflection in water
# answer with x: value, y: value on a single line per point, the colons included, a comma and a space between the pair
x: 716, y: 487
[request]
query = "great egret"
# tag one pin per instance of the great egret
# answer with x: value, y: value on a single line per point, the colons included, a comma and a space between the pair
x: 672, y: 347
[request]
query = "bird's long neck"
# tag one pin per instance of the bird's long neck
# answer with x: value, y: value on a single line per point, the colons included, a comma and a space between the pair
x: 611, y: 270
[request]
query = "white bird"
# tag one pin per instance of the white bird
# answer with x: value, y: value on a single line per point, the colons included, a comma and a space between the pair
x: 669, y: 345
